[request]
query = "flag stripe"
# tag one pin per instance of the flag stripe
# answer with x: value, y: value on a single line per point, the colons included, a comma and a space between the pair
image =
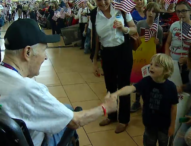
x: 186, y: 31
x: 124, y: 5
x: 150, y: 32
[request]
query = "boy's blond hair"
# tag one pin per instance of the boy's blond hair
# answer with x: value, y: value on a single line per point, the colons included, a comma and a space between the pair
x: 166, y: 62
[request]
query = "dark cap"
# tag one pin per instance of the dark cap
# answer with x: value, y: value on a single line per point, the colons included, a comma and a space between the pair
x: 26, y: 32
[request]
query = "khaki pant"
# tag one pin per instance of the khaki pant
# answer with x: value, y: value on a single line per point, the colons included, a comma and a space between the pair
x: 20, y: 13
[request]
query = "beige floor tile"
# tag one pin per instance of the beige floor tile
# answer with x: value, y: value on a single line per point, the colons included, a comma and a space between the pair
x: 138, y: 140
x: 91, y: 78
x: 84, y: 141
x: 94, y: 126
x: 99, y: 89
x: 48, y: 31
x: 135, y: 127
x: 47, y: 69
x: 48, y: 78
x: 62, y: 69
x: 87, y: 104
x: 82, y: 69
x: 58, y: 44
x: 79, y: 92
x: 57, y: 91
x: 64, y: 100
x: 109, y: 138
x: 138, y: 113
x: 46, y: 63
x: 133, y: 98
x: 54, y: 52
x: 70, y: 78
x: 4, y: 28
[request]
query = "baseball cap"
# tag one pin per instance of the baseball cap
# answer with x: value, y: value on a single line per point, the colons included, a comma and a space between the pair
x: 26, y: 32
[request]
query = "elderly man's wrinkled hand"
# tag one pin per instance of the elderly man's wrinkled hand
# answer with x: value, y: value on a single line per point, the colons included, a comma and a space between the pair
x: 110, y: 103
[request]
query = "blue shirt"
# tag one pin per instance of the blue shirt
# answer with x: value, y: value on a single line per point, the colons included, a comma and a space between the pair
x: 158, y: 99
x: 136, y: 16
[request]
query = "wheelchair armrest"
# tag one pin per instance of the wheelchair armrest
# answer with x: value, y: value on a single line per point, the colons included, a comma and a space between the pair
x: 69, y: 133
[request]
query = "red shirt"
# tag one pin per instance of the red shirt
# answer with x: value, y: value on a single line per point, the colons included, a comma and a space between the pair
x: 45, y: 8
x: 173, y: 18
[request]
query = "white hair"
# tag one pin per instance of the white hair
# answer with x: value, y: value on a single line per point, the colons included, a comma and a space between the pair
x: 13, y: 52
x: 19, y: 51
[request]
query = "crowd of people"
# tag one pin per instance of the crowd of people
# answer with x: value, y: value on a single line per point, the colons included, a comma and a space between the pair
x: 105, y: 34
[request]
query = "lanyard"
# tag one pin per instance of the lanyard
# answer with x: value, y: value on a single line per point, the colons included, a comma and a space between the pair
x: 9, y: 66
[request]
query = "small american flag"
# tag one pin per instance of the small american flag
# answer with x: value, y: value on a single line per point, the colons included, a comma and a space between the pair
x: 124, y: 5
x: 154, y: 26
x: 79, y: 2
x: 144, y: 71
x: 186, y: 31
x: 150, y: 32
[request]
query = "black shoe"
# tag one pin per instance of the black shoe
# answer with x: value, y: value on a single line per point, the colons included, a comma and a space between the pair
x: 78, y: 109
x: 135, y: 107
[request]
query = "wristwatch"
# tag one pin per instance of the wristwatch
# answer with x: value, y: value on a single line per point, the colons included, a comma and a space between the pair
x: 128, y: 30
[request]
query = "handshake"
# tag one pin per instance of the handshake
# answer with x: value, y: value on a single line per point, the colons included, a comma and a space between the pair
x: 110, y: 102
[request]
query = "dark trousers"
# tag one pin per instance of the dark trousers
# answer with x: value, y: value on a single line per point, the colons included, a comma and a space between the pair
x: 55, y: 28
x: 9, y: 16
x: 184, y: 74
x: 151, y: 136
x: 82, y: 27
x: 117, y: 64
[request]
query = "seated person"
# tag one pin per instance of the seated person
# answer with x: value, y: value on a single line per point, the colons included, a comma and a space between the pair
x: 24, y: 98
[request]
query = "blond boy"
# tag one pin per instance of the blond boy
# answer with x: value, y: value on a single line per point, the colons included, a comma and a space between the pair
x: 160, y: 100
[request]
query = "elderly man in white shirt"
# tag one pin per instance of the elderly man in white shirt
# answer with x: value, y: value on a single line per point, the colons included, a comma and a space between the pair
x: 24, y: 98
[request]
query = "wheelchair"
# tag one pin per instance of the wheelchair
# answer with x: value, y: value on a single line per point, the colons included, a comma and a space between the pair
x: 14, y: 132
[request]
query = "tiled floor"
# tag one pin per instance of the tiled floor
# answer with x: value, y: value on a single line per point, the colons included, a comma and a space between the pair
x: 68, y: 75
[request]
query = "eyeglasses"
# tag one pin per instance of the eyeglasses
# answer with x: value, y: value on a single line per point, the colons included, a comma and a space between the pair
x: 183, y: 11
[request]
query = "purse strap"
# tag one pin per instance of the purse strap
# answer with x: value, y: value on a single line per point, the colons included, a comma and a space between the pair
x: 124, y: 18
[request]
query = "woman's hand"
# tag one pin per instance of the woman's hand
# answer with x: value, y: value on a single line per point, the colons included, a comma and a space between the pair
x: 118, y: 25
x: 96, y: 69
x: 179, y: 89
x: 171, y: 130
x: 182, y: 61
x: 156, y: 41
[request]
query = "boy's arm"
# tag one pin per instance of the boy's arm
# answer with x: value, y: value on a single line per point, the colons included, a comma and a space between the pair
x: 173, y: 114
x: 125, y: 90
x: 173, y: 119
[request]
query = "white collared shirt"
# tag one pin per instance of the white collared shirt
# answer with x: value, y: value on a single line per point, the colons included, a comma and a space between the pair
x: 24, y: 98
x: 82, y: 19
x: 109, y: 36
